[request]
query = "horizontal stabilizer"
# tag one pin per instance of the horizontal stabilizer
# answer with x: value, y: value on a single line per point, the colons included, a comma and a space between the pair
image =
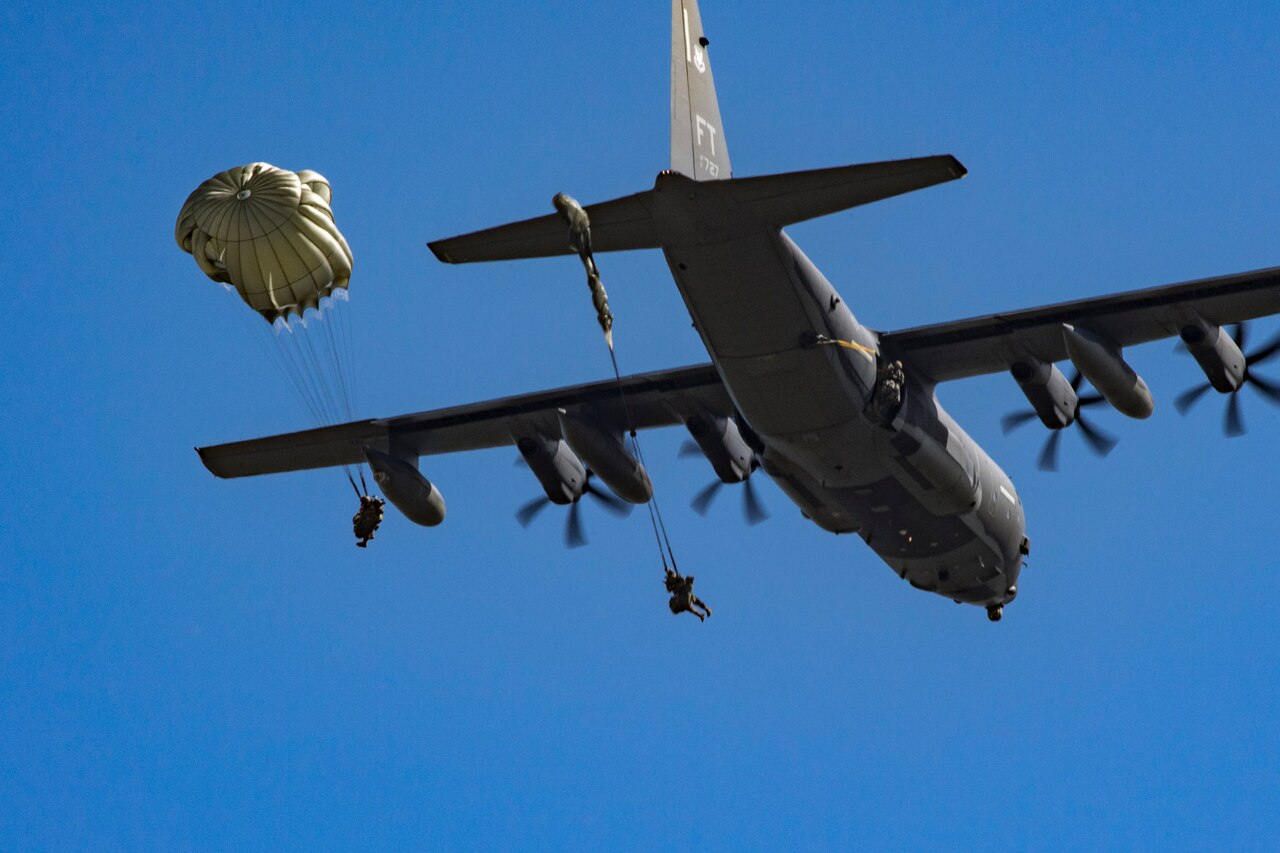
x: 616, y: 225
x: 773, y: 200
x: 796, y: 196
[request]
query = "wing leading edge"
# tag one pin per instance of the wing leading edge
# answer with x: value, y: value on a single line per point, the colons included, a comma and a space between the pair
x: 658, y: 399
x: 990, y: 344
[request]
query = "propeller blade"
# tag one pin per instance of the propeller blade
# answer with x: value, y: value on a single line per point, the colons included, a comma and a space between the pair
x: 689, y: 448
x: 1188, y: 398
x: 1099, y: 441
x: 1264, y: 354
x: 751, y: 508
x: 608, y: 501
x: 1266, y: 388
x: 1089, y: 400
x: 1239, y: 333
x: 1076, y: 380
x: 1234, y: 425
x: 529, y: 511
x: 1013, y: 420
x: 1048, y: 460
x: 702, y: 500
x: 573, y: 535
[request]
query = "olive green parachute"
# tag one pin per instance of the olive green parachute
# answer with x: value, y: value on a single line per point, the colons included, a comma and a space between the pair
x: 269, y: 233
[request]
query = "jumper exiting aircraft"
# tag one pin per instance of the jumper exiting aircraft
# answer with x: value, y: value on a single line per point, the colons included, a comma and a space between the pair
x: 845, y: 419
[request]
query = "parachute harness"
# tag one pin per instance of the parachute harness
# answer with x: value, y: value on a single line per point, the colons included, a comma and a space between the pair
x: 580, y: 241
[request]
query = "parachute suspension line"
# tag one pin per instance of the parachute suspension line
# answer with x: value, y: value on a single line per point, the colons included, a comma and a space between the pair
x: 327, y: 386
x: 325, y: 382
x: 254, y: 331
x: 344, y: 357
x: 579, y: 224
x: 336, y: 360
x: 295, y: 359
x: 346, y: 351
x: 283, y: 359
x: 327, y: 349
x: 288, y: 366
x: 655, y: 511
x: 348, y: 341
x: 290, y: 361
x: 300, y: 348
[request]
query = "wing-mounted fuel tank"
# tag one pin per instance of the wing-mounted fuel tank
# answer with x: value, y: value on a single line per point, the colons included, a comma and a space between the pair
x: 557, y: 468
x: 1100, y: 361
x: 1049, y: 392
x: 604, y: 452
x: 1218, y: 355
x: 724, y: 446
x: 406, y: 488
x: 936, y: 461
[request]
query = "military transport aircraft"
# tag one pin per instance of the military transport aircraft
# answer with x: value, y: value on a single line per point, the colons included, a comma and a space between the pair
x: 845, y: 419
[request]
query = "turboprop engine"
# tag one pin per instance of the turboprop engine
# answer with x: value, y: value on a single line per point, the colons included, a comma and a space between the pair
x: 607, y: 457
x: 1101, y: 363
x: 727, y: 445
x: 723, y: 445
x: 1051, y: 396
x: 406, y: 488
x: 557, y: 468
x: 1217, y: 354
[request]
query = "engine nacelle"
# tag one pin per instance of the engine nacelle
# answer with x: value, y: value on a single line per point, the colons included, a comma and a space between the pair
x: 406, y: 488
x: 605, y: 454
x: 722, y: 443
x: 1100, y: 362
x: 1050, y: 394
x: 1217, y: 354
x: 557, y: 468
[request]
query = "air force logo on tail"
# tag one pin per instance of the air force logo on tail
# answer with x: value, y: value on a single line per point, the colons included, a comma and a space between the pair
x: 699, y: 60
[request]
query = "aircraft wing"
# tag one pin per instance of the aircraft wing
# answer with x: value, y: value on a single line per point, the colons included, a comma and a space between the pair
x: 654, y: 400
x: 992, y: 343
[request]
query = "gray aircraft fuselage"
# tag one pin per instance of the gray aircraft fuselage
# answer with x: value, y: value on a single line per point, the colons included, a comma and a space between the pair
x: 921, y: 493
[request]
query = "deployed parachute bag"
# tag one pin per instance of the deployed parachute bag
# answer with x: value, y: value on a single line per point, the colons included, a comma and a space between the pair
x: 269, y: 233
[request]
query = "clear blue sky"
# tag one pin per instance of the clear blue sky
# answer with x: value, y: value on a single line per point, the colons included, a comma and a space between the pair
x: 193, y: 663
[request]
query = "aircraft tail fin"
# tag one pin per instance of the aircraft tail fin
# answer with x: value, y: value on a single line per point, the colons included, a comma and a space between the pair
x: 698, y: 146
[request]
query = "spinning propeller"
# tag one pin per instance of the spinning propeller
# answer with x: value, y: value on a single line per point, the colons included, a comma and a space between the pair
x: 752, y: 510
x: 574, y: 535
x: 1099, y: 442
x: 1233, y: 425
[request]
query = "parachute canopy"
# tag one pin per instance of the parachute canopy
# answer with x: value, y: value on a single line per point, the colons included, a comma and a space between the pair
x: 270, y: 233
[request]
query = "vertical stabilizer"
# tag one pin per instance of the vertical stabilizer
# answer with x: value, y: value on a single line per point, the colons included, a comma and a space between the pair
x: 698, y: 147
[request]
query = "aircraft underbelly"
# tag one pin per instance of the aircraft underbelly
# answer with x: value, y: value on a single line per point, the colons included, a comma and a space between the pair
x: 757, y: 302
x: 753, y: 312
